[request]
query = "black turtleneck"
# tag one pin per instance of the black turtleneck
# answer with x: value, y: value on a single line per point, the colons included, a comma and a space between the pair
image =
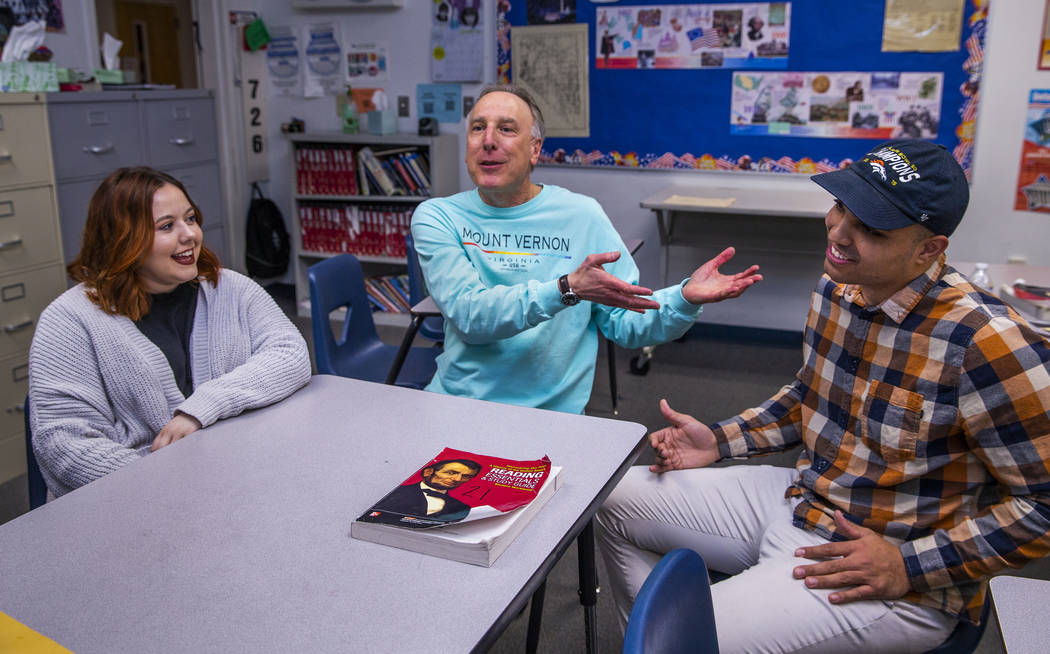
x: 168, y: 325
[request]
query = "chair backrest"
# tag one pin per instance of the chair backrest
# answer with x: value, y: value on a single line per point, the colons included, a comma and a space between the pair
x: 432, y: 328
x: 335, y: 283
x: 416, y: 287
x: 965, y: 637
x: 37, y: 486
x: 673, y: 612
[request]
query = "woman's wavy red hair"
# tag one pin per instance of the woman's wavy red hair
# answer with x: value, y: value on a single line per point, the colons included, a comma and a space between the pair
x: 119, y: 235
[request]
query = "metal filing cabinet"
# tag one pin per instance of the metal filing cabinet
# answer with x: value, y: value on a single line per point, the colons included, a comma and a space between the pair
x: 31, y: 270
x: 93, y: 134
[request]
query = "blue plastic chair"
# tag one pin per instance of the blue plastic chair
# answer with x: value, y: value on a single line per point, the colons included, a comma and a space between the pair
x: 37, y: 486
x: 432, y: 328
x: 673, y: 613
x: 359, y: 354
x: 965, y: 637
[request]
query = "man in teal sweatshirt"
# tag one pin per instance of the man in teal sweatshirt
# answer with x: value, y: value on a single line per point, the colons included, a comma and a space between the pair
x: 525, y: 275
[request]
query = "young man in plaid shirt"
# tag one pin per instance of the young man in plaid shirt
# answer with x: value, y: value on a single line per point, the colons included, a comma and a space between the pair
x: 922, y: 408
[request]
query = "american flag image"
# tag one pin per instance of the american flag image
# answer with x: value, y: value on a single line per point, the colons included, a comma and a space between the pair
x: 666, y: 160
x: 973, y: 46
x: 969, y: 109
x: 825, y: 166
x: 701, y: 38
x: 787, y: 164
x: 725, y: 163
x: 688, y: 160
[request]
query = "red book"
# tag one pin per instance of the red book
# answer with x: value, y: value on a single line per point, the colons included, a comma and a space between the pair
x: 461, y: 505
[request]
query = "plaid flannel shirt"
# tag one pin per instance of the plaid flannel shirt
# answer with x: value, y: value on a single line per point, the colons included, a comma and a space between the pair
x: 925, y: 419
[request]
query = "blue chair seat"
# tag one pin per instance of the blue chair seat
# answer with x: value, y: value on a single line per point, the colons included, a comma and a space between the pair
x: 673, y: 613
x: 336, y: 283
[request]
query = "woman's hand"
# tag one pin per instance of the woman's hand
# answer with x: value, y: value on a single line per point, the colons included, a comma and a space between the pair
x: 181, y: 425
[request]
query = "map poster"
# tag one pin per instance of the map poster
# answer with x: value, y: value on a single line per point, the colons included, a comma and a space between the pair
x: 1033, y: 178
x: 550, y: 62
x: 733, y: 35
x: 837, y: 105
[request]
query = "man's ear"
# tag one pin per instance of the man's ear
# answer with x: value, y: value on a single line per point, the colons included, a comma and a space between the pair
x: 534, y: 153
x: 931, y: 248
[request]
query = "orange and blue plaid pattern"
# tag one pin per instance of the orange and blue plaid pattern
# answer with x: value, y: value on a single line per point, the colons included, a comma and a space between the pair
x: 925, y: 419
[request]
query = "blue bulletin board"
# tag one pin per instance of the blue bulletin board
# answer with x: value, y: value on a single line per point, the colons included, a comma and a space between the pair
x: 704, y: 118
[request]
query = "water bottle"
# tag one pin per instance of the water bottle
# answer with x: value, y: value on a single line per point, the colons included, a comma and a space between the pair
x: 980, y: 277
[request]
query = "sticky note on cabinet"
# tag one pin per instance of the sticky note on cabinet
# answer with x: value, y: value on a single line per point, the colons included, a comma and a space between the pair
x: 699, y: 201
x: 16, y: 637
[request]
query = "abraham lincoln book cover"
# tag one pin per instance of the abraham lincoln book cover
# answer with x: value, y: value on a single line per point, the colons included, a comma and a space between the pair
x: 460, y: 505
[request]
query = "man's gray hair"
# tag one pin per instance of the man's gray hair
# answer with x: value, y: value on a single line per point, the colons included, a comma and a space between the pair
x: 526, y: 97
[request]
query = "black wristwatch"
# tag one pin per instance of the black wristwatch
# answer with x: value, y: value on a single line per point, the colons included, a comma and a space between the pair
x: 568, y: 298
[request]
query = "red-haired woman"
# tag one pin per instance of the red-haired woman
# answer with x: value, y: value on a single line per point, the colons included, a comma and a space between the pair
x: 155, y: 342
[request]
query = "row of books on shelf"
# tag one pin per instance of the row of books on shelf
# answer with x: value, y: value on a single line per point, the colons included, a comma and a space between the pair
x: 339, y: 170
x: 388, y: 293
x: 374, y: 230
x: 397, y: 171
x: 325, y: 170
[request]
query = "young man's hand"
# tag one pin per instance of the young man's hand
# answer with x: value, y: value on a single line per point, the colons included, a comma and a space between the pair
x: 868, y: 566
x: 687, y: 443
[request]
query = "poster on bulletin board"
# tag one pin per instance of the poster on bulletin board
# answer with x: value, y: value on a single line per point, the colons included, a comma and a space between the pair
x: 834, y: 93
x: 1033, y: 178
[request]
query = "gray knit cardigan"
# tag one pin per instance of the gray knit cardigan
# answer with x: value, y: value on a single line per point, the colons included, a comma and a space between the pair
x: 100, y: 391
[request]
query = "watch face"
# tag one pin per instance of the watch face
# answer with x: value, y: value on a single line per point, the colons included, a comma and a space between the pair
x: 569, y: 298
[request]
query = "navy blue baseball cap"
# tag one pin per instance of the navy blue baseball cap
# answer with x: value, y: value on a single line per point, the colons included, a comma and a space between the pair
x: 900, y: 183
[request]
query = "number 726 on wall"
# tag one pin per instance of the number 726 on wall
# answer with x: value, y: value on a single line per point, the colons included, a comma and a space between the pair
x: 253, y: 94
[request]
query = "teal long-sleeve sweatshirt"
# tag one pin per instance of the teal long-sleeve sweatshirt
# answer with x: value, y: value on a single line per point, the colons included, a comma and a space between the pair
x: 493, y: 273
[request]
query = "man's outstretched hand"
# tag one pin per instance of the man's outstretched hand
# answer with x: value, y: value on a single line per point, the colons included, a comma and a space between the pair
x: 687, y: 443
x: 707, y: 285
x: 591, y: 282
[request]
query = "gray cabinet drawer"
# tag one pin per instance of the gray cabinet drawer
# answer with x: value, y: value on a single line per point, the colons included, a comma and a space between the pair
x: 73, y: 200
x: 215, y: 240
x: 28, y: 233
x: 23, y: 157
x: 180, y: 131
x: 22, y: 297
x: 202, y: 185
x: 14, y: 382
x: 94, y: 138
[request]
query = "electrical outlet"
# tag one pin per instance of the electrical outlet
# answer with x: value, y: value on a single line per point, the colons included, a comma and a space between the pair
x: 468, y: 105
x: 402, y: 106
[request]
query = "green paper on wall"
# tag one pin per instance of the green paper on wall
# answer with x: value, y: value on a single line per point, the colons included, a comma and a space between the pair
x: 255, y: 35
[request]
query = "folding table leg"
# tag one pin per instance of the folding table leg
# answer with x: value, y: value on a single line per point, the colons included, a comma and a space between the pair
x: 402, y: 352
x: 588, y: 586
x: 532, y: 639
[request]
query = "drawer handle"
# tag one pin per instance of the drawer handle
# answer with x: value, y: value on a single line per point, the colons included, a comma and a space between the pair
x: 181, y: 141
x: 17, y: 408
x: 10, y: 244
x: 98, y: 149
x: 18, y: 326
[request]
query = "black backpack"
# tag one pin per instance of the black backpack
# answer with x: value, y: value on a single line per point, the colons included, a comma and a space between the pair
x: 268, y: 247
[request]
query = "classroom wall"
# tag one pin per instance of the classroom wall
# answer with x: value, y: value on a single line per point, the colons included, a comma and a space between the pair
x: 77, y: 46
x: 992, y: 230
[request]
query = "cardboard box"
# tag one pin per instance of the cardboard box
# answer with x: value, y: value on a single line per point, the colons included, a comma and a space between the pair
x: 28, y: 76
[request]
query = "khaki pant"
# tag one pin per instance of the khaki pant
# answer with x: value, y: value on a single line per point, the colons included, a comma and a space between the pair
x: 738, y: 519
